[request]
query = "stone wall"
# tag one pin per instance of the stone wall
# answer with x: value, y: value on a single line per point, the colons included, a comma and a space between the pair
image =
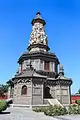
x: 65, y: 94
x: 37, y: 94
x: 34, y: 94
x: 57, y: 92
x: 52, y: 91
x: 37, y: 64
x: 62, y: 93
x: 22, y: 99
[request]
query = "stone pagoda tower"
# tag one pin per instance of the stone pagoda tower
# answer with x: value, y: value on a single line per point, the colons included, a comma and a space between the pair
x: 38, y: 79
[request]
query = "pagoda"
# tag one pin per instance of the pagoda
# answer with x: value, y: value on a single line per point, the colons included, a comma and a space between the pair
x: 38, y: 80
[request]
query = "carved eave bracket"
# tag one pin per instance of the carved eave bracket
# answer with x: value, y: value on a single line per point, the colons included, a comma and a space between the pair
x: 21, y: 80
x: 38, y: 20
x: 39, y: 46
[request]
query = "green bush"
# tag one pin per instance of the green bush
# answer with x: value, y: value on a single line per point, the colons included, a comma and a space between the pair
x: 70, y: 110
x: 52, y: 110
x: 40, y: 109
x: 78, y: 102
x: 58, y: 110
x: 3, y: 105
x: 78, y: 109
x: 74, y: 109
x: 55, y: 111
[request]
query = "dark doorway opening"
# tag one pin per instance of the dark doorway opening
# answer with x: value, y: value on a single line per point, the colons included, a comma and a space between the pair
x: 47, y: 92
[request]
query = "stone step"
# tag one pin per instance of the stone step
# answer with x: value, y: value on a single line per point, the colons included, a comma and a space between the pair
x: 54, y: 102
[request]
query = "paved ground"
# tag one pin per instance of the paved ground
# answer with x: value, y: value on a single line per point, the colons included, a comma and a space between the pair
x: 27, y: 114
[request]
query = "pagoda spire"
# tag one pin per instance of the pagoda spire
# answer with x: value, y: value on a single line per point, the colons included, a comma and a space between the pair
x: 38, y: 36
x: 38, y: 19
x: 38, y: 15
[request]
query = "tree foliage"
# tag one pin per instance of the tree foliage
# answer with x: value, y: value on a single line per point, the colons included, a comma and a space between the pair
x: 78, y: 101
x: 78, y: 92
x: 3, y: 89
x: 3, y: 105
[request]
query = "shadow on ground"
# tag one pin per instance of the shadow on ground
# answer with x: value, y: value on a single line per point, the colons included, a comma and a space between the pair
x: 4, y: 113
x: 61, y: 118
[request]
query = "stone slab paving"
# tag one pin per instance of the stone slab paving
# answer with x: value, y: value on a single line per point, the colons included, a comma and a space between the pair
x: 23, y: 114
x: 27, y: 114
x: 68, y: 117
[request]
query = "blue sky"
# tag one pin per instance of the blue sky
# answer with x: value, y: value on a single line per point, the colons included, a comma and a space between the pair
x: 63, y: 30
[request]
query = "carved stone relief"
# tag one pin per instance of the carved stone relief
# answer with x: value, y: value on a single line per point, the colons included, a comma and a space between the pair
x: 38, y: 35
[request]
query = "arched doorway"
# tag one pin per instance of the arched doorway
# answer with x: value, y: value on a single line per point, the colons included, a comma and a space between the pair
x: 24, y: 90
x: 47, y: 92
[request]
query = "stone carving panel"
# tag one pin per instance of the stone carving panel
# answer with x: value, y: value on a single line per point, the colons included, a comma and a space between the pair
x: 65, y: 92
x: 65, y: 99
x: 38, y: 35
x: 37, y: 91
x: 57, y: 92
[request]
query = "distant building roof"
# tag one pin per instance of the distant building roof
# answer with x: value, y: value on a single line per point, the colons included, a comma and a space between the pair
x: 75, y: 95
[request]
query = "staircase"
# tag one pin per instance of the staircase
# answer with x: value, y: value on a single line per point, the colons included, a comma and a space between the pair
x: 54, y: 102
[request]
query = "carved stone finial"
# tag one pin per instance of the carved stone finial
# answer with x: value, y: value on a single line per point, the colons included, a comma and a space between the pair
x: 38, y: 15
x: 38, y: 35
x: 61, y: 66
x: 61, y: 69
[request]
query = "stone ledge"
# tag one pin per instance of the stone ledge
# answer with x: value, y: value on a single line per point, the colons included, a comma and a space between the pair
x: 29, y: 106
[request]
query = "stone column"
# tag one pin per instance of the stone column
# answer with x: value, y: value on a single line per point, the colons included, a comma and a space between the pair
x: 42, y: 93
x: 69, y: 94
x: 31, y: 93
x: 60, y: 94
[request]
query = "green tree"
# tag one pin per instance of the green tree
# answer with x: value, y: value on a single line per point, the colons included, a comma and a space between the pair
x: 3, y: 89
x: 10, y: 83
x: 78, y: 92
